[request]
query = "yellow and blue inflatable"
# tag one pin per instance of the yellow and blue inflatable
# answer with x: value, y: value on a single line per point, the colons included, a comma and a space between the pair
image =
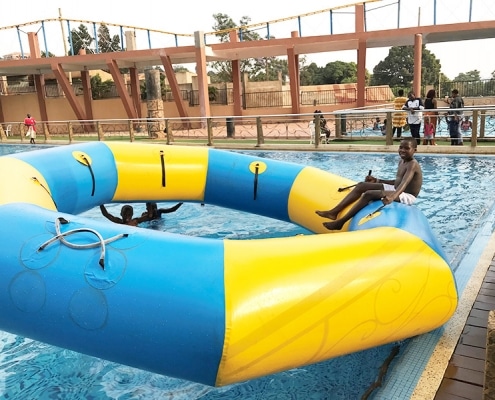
x: 206, y: 310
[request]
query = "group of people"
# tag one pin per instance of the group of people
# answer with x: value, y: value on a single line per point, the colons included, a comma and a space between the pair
x: 127, y: 213
x: 415, y: 108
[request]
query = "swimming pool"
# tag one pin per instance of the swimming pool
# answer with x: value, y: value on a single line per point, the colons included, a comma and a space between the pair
x: 457, y: 197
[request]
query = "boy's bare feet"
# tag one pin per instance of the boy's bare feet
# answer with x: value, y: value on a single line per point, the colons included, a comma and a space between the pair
x: 327, y: 214
x: 334, y: 226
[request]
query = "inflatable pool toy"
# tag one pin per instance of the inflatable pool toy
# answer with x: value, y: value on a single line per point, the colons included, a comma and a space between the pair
x: 206, y: 310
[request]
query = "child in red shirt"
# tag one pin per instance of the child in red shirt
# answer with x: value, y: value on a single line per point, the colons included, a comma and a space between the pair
x: 428, y: 132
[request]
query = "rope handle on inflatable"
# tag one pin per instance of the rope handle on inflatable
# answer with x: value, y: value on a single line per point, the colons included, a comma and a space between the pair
x: 84, y: 159
x: 257, y: 168
x: 46, y: 190
x: 162, y: 161
x: 341, y: 189
x: 101, y: 242
x: 364, y: 219
x: 255, y: 184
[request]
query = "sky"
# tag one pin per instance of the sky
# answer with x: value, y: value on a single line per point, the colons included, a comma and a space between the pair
x: 197, y: 15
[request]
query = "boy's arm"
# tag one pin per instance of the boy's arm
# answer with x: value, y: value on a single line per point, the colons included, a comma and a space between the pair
x: 106, y: 214
x: 169, y: 210
x: 372, y: 179
x: 143, y: 218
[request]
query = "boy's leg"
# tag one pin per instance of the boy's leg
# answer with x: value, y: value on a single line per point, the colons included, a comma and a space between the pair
x: 354, y: 195
x: 365, y: 199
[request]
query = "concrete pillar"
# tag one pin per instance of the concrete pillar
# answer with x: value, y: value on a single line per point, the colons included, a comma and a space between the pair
x: 236, y: 78
x: 130, y: 40
x: 361, y: 56
x: 204, y: 101
x: 418, y: 58
x: 154, y: 103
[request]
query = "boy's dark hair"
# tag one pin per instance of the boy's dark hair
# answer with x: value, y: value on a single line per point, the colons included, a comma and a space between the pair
x: 455, y: 91
x: 411, y: 141
x: 401, y: 92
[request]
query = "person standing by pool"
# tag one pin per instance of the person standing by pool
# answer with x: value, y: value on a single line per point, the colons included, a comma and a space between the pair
x: 414, y: 105
x: 399, y: 118
x: 466, y: 124
x: 431, y: 104
x: 153, y: 212
x: 30, y: 123
x: 428, y: 129
x: 456, y: 104
x: 404, y: 188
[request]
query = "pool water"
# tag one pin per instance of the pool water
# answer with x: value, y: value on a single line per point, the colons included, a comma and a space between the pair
x: 457, y: 197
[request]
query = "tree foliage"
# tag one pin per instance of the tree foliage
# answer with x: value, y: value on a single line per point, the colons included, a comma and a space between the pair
x: 100, y: 88
x: 44, y: 55
x: 469, y: 76
x: 261, y: 69
x: 107, y: 44
x: 81, y: 39
x: 332, y: 73
x: 397, y: 69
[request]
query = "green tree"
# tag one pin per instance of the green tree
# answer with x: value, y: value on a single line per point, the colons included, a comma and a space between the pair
x: 334, y: 72
x: 310, y: 74
x: 107, y: 44
x: 340, y: 72
x: 50, y: 54
x: 262, y: 69
x: 180, y: 68
x: 469, y: 76
x: 100, y: 88
x: 81, y: 39
x: 397, y: 69
x: 268, y: 69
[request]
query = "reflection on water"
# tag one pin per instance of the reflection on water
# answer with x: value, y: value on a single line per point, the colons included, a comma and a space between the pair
x: 456, y: 196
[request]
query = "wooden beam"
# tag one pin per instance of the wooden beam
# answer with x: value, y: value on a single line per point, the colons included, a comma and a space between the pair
x: 174, y: 86
x: 121, y: 89
x: 69, y: 93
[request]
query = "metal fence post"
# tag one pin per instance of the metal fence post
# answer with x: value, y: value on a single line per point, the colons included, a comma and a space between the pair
x: 389, y: 140
x: 317, y: 130
x: 474, y: 129
x: 131, y: 131
x: 70, y: 129
x: 168, y: 132
x: 259, y: 132
x: 482, y: 123
x: 209, y: 130
x: 99, y: 128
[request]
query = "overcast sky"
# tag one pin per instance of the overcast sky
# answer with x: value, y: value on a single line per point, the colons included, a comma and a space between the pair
x: 186, y: 17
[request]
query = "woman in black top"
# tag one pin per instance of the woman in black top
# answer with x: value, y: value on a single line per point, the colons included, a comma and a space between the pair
x: 431, y: 104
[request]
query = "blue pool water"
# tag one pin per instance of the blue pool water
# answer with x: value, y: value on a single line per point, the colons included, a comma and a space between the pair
x: 457, y: 197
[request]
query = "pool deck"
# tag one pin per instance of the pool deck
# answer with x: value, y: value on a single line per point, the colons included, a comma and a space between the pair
x: 464, y: 376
